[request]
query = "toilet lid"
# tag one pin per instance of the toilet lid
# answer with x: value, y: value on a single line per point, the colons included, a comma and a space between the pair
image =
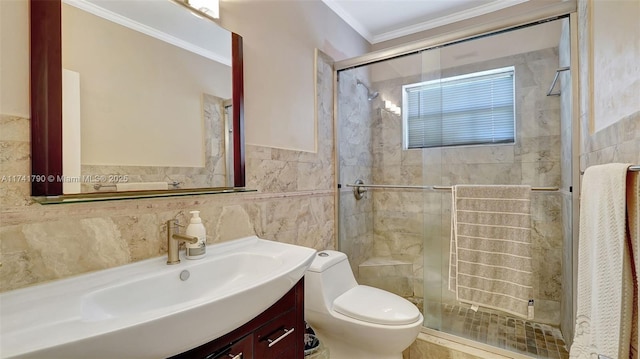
x: 374, y: 305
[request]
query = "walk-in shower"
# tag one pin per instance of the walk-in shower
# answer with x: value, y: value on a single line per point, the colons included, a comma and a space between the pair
x: 397, y: 235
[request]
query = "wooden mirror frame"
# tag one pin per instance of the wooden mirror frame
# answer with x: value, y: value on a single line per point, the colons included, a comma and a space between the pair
x: 46, y: 99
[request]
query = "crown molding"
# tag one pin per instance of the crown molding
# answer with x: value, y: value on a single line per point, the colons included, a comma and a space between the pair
x: 422, y: 26
x: 350, y: 20
x: 147, y: 30
x: 445, y: 20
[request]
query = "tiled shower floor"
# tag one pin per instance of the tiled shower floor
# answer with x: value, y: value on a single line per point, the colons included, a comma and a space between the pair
x: 514, y: 334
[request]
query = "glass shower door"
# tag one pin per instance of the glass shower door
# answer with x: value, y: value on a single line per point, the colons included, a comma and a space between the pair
x: 383, y: 232
x: 535, y: 157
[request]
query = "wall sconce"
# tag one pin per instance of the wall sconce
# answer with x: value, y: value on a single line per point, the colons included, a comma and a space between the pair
x: 208, y: 7
x: 390, y: 106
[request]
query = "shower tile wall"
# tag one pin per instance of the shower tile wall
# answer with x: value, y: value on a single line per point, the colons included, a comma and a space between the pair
x: 402, y: 217
x: 355, y: 162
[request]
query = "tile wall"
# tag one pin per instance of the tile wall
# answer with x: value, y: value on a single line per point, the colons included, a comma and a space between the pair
x: 355, y: 162
x: 294, y: 204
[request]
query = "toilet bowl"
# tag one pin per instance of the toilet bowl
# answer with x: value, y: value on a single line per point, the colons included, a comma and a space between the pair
x: 356, y: 321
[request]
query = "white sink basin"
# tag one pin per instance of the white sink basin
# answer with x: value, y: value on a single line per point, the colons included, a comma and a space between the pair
x: 230, y: 273
x: 144, y: 309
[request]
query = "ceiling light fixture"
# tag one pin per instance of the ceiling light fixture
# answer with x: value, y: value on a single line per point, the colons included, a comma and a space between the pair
x: 208, y: 7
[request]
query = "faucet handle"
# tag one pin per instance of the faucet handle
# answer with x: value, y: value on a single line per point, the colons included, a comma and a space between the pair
x: 174, y: 223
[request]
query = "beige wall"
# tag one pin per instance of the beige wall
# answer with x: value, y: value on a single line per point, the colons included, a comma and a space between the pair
x: 617, y: 93
x: 279, y: 38
x: 14, y: 58
x: 617, y: 135
x: 141, y: 99
x: 295, y: 198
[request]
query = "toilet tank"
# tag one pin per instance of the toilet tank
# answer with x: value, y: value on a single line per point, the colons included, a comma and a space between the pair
x: 328, y: 276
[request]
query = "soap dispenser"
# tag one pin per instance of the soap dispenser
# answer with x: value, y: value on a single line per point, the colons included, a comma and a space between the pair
x: 196, y: 229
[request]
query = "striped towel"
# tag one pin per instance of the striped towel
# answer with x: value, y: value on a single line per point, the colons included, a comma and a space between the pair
x: 490, y: 263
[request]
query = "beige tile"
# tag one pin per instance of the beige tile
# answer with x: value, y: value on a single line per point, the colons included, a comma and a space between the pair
x: 628, y: 151
x: 14, y: 128
x: 390, y: 275
x: 479, y: 154
x: 233, y: 223
x: 144, y: 235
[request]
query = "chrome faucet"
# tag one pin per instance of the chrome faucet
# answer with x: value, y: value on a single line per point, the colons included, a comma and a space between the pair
x: 173, y: 241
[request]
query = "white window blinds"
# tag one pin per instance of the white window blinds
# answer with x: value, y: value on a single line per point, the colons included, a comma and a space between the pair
x: 471, y: 109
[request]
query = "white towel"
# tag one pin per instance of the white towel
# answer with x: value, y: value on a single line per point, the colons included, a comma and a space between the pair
x: 490, y: 263
x: 605, y: 283
x: 142, y: 186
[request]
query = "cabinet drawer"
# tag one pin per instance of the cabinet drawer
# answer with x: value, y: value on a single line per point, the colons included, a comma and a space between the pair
x: 276, y: 338
x: 241, y: 349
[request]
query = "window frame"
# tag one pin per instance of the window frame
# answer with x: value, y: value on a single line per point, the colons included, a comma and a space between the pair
x: 438, y: 83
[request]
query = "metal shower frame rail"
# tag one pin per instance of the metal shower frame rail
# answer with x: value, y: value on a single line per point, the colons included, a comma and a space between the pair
x: 359, y: 186
x: 446, y: 188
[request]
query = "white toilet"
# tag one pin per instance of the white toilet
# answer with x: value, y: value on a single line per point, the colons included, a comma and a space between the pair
x: 356, y: 321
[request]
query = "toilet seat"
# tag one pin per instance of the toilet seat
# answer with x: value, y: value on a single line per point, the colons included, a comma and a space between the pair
x: 377, y: 306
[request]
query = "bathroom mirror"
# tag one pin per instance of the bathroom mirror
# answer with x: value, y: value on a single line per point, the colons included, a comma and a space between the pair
x: 200, y: 84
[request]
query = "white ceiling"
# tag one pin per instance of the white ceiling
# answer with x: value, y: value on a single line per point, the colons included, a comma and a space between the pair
x: 382, y: 20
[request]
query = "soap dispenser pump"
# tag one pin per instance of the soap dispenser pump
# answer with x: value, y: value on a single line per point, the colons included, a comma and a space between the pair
x: 196, y: 229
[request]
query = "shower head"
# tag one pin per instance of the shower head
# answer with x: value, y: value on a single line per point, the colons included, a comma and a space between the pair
x: 370, y: 95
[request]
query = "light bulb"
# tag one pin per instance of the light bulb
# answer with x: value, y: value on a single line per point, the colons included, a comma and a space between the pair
x: 209, y: 7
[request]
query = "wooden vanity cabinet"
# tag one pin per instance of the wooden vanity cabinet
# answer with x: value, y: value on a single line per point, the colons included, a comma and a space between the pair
x: 277, y: 333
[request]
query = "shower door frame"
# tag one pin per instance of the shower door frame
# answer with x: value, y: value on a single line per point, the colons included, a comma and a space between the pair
x: 548, y: 13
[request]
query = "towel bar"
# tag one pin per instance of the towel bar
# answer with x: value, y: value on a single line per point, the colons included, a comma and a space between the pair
x: 359, y: 188
x: 555, y: 79
x: 547, y: 189
x: 428, y: 187
x: 632, y: 168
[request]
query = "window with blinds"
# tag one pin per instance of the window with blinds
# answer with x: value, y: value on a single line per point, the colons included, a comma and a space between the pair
x: 471, y: 109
